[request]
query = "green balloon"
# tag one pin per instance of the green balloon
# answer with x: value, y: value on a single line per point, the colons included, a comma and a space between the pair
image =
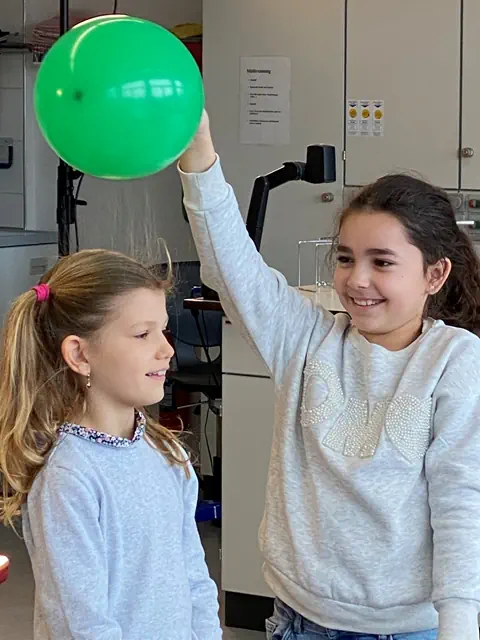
x: 119, y: 97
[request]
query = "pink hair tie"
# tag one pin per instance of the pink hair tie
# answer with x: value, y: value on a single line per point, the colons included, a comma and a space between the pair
x: 42, y: 291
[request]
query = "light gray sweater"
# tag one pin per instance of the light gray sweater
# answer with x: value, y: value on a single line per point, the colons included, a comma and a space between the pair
x: 110, y: 529
x: 372, y: 519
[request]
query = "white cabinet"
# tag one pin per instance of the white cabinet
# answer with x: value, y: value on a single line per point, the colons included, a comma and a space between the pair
x: 247, y: 430
x: 11, y: 70
x: 238, y: 357
x: 311, y: 34
x: 470, y: 143
x: 11, y: 113
x: 429, y: 87
x: 11, y: 180
x: 409, y: 55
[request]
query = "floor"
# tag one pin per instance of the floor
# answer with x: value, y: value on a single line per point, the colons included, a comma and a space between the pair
x: 16, y: 595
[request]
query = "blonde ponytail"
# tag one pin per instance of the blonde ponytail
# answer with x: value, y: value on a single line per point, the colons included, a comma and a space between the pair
x: 28, y: 431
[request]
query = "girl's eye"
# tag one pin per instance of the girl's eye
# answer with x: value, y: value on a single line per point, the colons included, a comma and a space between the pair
x: 344, y: 259
x: 383, y: 263
x: 142, y: 335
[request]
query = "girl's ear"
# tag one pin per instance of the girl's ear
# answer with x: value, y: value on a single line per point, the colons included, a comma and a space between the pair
x: 437, y: 275
x: 74, y: 352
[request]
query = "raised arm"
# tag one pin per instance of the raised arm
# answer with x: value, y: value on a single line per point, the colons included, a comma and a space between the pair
x: 274, y: 317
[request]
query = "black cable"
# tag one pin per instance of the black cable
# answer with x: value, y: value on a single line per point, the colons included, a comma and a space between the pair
x: 205, y: 348
x: 77, y: 240
x: 207, y: 341
x: 115, y: 6
x: 205, y: 345
x: 202, y: 339
x: 206, y: 438
x: 79, y: 185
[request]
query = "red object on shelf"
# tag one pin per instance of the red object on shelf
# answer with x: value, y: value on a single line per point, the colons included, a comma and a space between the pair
x: 195, y: 49
x: 3, y: 569
x: 46, y: 33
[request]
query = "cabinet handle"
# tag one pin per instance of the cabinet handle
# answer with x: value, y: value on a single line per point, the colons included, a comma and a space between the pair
x: 468, y: 152
x: 327, y: 197
x: 6, y: 153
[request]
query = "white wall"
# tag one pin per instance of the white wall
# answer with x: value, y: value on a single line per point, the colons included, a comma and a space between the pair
x: 11, y: 15
x: 117, y: 214
x: 310, y: 33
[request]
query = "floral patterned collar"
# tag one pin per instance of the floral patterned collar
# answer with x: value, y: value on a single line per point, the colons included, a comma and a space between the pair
x: 105, y: 438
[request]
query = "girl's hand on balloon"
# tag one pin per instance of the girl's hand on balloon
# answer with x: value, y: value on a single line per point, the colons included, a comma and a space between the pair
x: 201, y: 154
x: 204, y: 126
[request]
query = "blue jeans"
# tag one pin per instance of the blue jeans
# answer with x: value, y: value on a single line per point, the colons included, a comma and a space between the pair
x: 286, y: 624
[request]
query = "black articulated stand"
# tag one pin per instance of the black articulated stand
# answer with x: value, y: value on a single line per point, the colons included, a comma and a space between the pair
x: 66, y: 198
x: 319, y: 168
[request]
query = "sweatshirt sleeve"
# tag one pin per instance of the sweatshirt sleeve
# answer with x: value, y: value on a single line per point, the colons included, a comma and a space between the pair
x: 273, y: 316
x: 453, y: 475
x: 204, y: 594
x: 69, y: 561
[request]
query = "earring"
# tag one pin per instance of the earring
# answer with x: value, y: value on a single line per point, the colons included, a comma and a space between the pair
x: 89, y: 382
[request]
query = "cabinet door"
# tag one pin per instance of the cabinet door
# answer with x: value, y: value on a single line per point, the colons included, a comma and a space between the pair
x: 11, y: 210
x: 238, y: 357
x: 311, y: 34
x: 406, y: 54
x: 470, y: 165
x: 247, y: 429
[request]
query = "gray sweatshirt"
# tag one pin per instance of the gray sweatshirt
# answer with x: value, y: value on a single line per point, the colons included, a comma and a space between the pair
x: 111, y: 533
x: 372, y: 519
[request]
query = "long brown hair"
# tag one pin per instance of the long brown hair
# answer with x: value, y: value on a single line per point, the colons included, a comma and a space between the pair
x: 428, y: 217
x: 38, y: 391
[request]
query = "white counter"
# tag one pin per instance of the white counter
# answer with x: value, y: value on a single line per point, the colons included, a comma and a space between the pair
x: 325, y: 297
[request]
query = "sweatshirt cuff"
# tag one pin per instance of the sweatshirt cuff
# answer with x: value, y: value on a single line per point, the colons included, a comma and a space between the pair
x: 458, y: 618
x: 202, y: 191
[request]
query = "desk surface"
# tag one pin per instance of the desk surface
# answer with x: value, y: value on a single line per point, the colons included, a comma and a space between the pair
x: 202, y: 304
x: 325, y: 297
